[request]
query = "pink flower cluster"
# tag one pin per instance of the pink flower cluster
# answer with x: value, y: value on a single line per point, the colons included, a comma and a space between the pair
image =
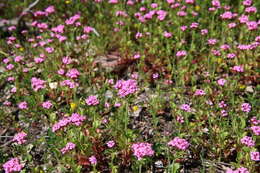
x: 75, y: 119
x: 246, y: 107
x: 72, y: 73
x: 23, y: 105
x: 92, y: 101
x: 248, y: 141
x: 238, y: 170
x: 181, y: 53
x: 256, y: 130
x: 126, y: 87
x: 142, y: 149
x: 47, y: 105
x: 69, y: 83
x: 69, y: 146
x: 238, y: 68
x: 20, y: 138
x: 255, y: 156
x: 13, y: 165
x: 37, y: 84
x: 179, y: 143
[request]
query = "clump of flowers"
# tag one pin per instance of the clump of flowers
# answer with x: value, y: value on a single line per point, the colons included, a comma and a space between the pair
x: 179, y: 143
x: 69, y: 146
x: 37, y: 84
x: 248, y: 141
x: 92, y: 101
x: 20, y: 138
x: 75, y: 119
x: 142, y: 149
x: 126, y: 87
x: 13, y: 165
x: 246, y: 107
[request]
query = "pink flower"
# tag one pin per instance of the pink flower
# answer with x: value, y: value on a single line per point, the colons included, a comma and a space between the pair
x: 215, y: 3
x: 248, y: 141
x: 69, y: 146
x: 37, y: 84
x: 251, y: 10
x: 256, y: 130
x: 212, y: 41
x: 224, y: 113
x: 185, y: 107
x: 117, y: 104
x: 66, y: 60
x: 167, y: 34
x: 110, y: 144
x: 161, y: 15
x: 247, y: 2
x: 142, y: 149
x: 222, y: 104
x: 59, y: 29
x: 9, y: 66
x: 181, y: 53
x: 238, y: 170
x: 113, y: 1
x: 246, y: 107
x: 73, y: 73
x: 47, y: 105
x: 227, y: 15
x: 238, y: 68
x: 180, y: 119
x: 179, y: 143
x: 204, y: 31
x: 12, y: 165
x: 93, y: 160
x: 10, y: 79
x: 69, y: 83
x: 221, y: 82
x: 19, y: 138
x: 92, y: 101
x: 126, y: 87
x: 255, y: 156
x: 154, y: 5
x: 74, y: 119
x: 72, y: 19
x: 49, y: 10
x: 18, y: 58
x: 254, y: 120
x: 49, y: 49
x: 190, y: 1
x: 23, y: 105
x: 137, y: 56
x: 170, y: 1
x: 252, y: 25
x: 199, y: 92
x: 88, y: 29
